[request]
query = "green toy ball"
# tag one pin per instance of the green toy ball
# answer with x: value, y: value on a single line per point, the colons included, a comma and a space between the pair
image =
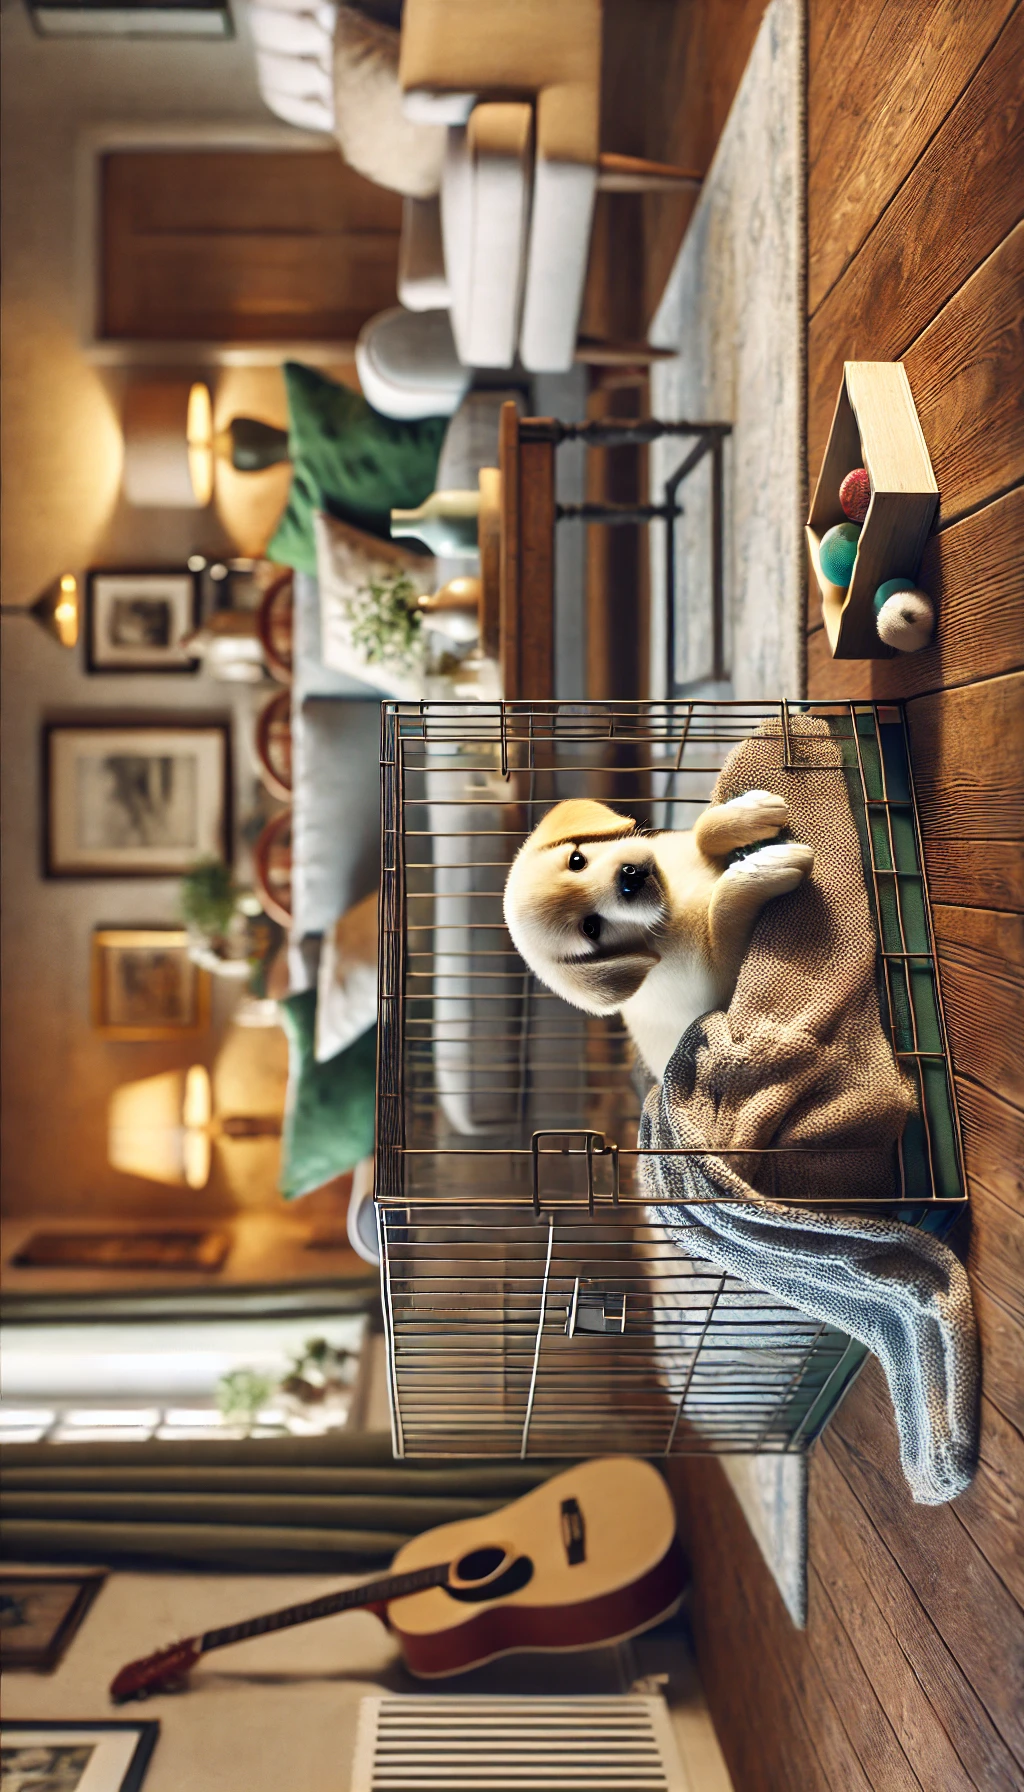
x: 838, y: 551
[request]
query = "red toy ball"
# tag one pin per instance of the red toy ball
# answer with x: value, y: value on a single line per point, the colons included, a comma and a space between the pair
x: 855, y: 494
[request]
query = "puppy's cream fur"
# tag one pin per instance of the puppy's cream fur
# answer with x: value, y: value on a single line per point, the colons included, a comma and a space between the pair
x: 650, y: 925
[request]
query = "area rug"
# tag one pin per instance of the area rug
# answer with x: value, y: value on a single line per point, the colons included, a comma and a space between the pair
x: 772, y: 1492
x: 733, y: 308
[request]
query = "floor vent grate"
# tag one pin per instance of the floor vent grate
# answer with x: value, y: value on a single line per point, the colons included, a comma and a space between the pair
x: 443, y: 1744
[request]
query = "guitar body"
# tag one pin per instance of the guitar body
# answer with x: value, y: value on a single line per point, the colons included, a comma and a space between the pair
x: 586, y: 1559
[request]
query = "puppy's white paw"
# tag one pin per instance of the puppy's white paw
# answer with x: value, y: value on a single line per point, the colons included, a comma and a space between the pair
x: 767, y: 812
x: 781, y: 867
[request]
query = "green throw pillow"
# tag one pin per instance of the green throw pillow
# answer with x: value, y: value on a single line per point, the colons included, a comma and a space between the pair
x: 328, y: 1124
x: 349, y: 461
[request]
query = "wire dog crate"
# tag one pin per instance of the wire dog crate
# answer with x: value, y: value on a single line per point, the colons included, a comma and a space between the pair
x: 531, y: 1306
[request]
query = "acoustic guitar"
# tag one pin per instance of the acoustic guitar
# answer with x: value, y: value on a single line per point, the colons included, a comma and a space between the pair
x: 588, y: 1558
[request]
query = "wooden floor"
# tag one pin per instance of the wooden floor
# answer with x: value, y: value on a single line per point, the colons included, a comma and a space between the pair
x: 911, y: 1670
x: 671, y: 70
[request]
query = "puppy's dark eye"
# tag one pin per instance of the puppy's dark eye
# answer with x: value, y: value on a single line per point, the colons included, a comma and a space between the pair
x: 576, y: 861
x: 592, y: 927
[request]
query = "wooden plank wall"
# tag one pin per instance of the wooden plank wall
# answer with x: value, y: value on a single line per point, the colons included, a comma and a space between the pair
x: 910, y: 1672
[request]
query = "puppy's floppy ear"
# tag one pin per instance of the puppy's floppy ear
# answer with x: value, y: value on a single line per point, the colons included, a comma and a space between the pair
x: 601, y: 985
x: 581, y: 819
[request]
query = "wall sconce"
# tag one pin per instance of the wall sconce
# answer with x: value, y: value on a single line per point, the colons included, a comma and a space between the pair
x: 57, y: 609
x: 163, y: 1127
x: 171, y: 447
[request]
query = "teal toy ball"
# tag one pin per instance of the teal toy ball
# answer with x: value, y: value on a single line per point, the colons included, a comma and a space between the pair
x: 838, y: 551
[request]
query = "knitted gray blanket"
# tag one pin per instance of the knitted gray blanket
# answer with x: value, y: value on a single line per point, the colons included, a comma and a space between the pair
x: 801, y: 1061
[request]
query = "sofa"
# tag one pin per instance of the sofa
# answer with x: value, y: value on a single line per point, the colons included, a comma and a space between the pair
x: 503, y: 240
x: 336, y: 729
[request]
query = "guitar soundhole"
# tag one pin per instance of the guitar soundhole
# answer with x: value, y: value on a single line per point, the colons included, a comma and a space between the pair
x: 479, y: 1564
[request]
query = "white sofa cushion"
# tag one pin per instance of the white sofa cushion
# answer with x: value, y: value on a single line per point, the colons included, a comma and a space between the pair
x: 306, y: 114
x: 478, y: 996
x: 346, y: 990
x: 425, y: 107
x: 407, y: 364
x: 299, y: 77
x: 361, y: 1220
x: 347, y: 560
x: 556, y: 263
x: 422, y: 280
x: 336, y: 809
x: 375, y: 135
x: 310, y: 677
x: 289, y: 32
x: 485, y: 207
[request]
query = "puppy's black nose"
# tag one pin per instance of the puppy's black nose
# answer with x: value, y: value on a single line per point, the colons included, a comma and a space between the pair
x: 632, y: 879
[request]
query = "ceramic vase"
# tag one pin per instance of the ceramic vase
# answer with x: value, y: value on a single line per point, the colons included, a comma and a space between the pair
x: 446, y: 524
x: 454, y: 610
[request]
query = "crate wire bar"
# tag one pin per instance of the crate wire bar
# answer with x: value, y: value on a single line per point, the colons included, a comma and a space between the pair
x: 531, y: 1308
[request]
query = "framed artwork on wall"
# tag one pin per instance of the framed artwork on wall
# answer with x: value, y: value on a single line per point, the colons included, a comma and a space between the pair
x: 40, y: 1610
x: 145, y: 985
x: 139, y: 621
x: 107, y: 1756
x: 136, y: 799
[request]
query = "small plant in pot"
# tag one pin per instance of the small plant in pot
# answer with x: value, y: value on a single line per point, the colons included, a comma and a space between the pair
x: 228, y: 934
x: 390, y: 621
x: 386, y: 624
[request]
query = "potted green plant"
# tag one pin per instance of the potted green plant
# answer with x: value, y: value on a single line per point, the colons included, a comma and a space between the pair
x: 386, y: 623
x: 228, y: 934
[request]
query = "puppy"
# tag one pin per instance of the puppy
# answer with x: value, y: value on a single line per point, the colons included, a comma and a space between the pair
x: 650, y: 925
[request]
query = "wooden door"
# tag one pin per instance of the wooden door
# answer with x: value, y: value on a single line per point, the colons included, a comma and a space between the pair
x: 243, y: 246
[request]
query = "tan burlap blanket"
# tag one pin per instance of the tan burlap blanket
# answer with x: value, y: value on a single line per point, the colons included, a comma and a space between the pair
x: 801, y: 1059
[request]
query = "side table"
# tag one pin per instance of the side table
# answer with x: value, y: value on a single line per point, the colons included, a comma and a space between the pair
x: 518, y: 514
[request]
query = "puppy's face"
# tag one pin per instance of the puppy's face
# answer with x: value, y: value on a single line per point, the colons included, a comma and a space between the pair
x: 584, y: 905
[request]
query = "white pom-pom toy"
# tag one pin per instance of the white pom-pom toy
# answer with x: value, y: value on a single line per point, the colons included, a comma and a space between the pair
x: 904, y: 616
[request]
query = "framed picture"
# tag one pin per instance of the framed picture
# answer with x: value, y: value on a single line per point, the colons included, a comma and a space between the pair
x: 40, y: 1610
x: 145, y: 986
x: 124, y: 1250
x: 75, y: 1757
x: 145, y: 799
x: 237, y: 584
x: 138, y: 621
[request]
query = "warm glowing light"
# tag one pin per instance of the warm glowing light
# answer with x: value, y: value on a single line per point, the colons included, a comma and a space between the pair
x: 65, y: 611
x: 161, y: 1127
x: 197, y: 1107
x: 145, y: 1135
x: 199, y: 435
x: 197, y: 1153
x: 199, y: 418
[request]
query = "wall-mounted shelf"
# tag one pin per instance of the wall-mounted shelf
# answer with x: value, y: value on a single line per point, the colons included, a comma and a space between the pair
x: 875, y: 426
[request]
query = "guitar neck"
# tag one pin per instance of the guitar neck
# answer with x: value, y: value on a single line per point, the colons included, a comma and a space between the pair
x: 373, y: 1592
